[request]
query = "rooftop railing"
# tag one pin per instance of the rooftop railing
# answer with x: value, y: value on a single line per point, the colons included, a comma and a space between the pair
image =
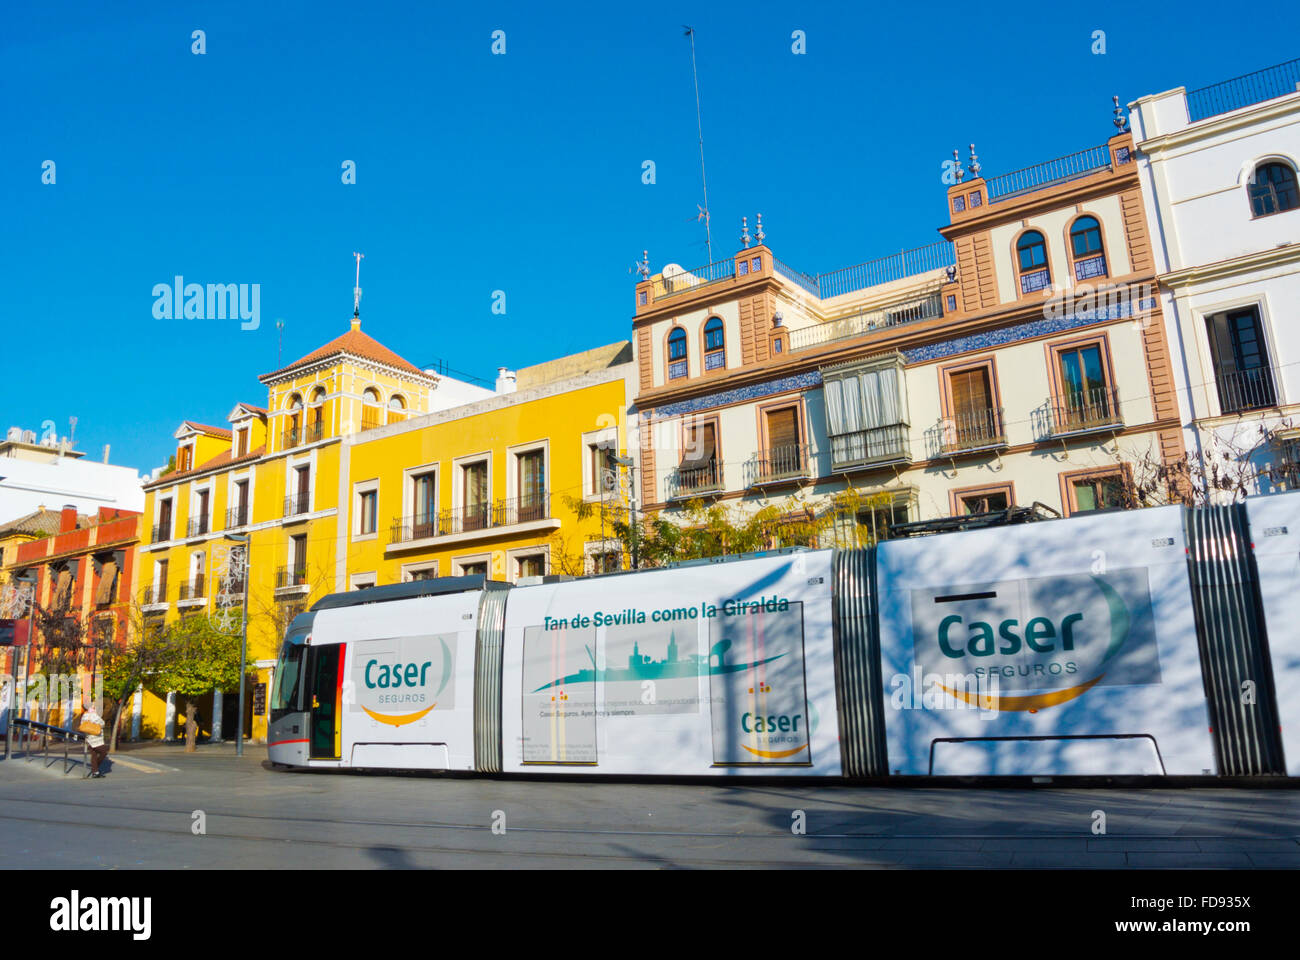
x: 912, y: 311
x: 1251, y: 88
x: 1049, y: 174
x: 896, y: 266
x: 693, y: 279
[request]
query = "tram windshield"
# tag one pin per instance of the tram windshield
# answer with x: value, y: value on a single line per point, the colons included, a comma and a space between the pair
x: 288, y: 675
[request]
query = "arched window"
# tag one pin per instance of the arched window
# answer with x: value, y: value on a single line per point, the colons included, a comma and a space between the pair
x: 1031, y: 256
x: 1273, y: 189
x: 1086, y: 249
x: 372, y: 409
x: 676, y: 353
x: 293, y: 436
x: 715, y: 345
x: 396, y: 408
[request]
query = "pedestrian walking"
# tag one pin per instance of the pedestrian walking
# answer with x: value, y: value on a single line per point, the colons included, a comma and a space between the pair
x: 92, y: 725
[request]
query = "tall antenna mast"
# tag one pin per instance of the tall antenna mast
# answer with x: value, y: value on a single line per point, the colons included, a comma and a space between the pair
x: 704, y: 213
x: 356, y: 290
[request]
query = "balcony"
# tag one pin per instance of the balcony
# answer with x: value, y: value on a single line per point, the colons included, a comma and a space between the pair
x: 779, y: 464
x: 969, y: 431
x: 296, y: 436
x: 162, y: 532
x: 154, y: 594
x: 192, y: 589
x: 197, y: 527
x: 687, y: 482
x: 1049, y: 174
x: 371, y: 420
x: 1243, y: 91
x: 481, y: 518
x: 290, y: 577
x: 913, y: 311
x: 297, y: 503
x: 1084, y: 411
x: 237, y: 517
x: 875, y: 447
x: 1242, y: 390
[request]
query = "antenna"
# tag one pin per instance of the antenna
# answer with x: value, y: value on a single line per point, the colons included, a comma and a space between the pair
x: 279, y: 350
x: 704, y: 211
x: 356, y: 290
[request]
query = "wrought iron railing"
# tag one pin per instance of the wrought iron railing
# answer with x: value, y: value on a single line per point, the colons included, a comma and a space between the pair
x: 693, y: 279
x: 154, y: 593
x: 694, y: 481
x: 1246, y: 390
x: 1076, y: 411
x: 862, y: 448
x: 1049, y: 174
x: 786, y: 462
x: 471, y: 518
x: 1090, y: 267
x: 291, y: 576
x: 1251, y: 88
x: 797, y: 278
x: 972, y: 429
x: 912, y: 311
x: 369, y: 421
x: 237, y: 517
x: 296, y: 503
x: 905, y: 263
x: 1035, y: 280
x: 192, y: 589
x: 197, y: 526
x: 162, y: 532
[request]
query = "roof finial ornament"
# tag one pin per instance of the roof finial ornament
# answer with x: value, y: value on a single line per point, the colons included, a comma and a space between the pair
x: 1121, y: 121
x: 957, y: 171
x: 744, y: 231
x: 356, y: 295
x: 759, y: 235
x: 643, y: 268
x: 974, y: 163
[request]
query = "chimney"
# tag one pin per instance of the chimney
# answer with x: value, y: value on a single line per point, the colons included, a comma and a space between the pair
x: 505, y: 380
x: 68, y: 519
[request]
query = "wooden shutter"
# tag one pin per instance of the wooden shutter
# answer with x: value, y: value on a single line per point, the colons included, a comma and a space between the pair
x: 783, y: 428
x: 970, y: 391
x: 107, y: 577
x: 304, y: 486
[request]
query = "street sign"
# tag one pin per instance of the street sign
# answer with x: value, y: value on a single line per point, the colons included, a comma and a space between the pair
x: 259, y: 699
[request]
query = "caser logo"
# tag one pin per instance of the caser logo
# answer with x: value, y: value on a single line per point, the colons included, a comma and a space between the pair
x: 102, y: 914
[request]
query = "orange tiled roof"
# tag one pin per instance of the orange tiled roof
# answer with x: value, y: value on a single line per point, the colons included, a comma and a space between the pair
x: 206, y: 428
x: 222, y: 459
x: 356, y: 343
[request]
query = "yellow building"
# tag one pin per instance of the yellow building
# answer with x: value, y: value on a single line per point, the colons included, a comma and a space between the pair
x: 363, y: 469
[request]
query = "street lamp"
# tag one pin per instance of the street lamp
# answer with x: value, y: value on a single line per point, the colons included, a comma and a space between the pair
x: 243, y: 644
x: 636, y: 537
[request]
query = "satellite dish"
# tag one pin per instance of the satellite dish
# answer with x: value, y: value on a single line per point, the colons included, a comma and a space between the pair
x: 672, y: 270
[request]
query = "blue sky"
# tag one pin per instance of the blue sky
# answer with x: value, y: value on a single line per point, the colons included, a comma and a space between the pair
x: 477, y: 173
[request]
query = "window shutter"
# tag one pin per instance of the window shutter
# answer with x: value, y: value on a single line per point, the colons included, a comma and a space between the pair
x: 783, y: 428
x: 852, y: 404
x: 107, y: 577
x: 871, y: 407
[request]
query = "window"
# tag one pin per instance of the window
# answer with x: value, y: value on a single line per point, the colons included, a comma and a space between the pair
x: 299, y: 501
x: 1085, y: 399
x: 368, y: 503
x: 866, y: 413
x: 982, y: 500
x: 372, y: 413
x: 160, y: 582
x: 532, y: 565
x: 531, y: 486
x: 715, y: 352
x: 699, y: 470
x: 424, y: 505
x: 202, y: 518
x: 106, y: 591
x: 293, y: 435
x: 474, y: 479
x: 1241, y: 367
x: 1031, y: 256
x: 1086, y: 249
x: 677, y: 366
x: 873, y: 522
x: 1098, y: 492
x: 973, y: 419
x: 241, y: 443
x: 185, y: 461
x: 241, y: 503
x: 475, y: 569
x: 1273, y: 189
x: 396, y: 408
x: 606, y: 560
x: 604, y: 469
x: 783, y: 454
x: 298, y: 559
x: 164, y: 529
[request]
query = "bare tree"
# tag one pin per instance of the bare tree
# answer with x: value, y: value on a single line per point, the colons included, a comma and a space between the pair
x: 1228, y: 467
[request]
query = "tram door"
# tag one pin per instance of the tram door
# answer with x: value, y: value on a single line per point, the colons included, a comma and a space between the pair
x: 323, y: 665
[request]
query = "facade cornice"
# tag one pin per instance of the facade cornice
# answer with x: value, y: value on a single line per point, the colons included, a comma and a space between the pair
x: 1101, y: 184
x: 1250, y: 263
x: 1217, y: 126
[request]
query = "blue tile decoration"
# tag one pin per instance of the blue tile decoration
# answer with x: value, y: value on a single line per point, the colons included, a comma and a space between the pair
x: 1024, y: 331
x: 755, y: 391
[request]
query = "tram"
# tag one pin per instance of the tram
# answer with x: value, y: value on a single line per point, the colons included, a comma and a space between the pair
x: 1159, y: 642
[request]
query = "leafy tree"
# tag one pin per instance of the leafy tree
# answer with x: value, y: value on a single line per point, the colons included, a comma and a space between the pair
x: 197, y: 657
x: 126, y: 665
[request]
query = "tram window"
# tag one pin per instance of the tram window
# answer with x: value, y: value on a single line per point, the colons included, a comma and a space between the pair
x: 288, y: 677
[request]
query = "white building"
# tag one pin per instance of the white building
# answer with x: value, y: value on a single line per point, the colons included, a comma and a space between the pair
x: 1219, y: 177
x: 50, y: 474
